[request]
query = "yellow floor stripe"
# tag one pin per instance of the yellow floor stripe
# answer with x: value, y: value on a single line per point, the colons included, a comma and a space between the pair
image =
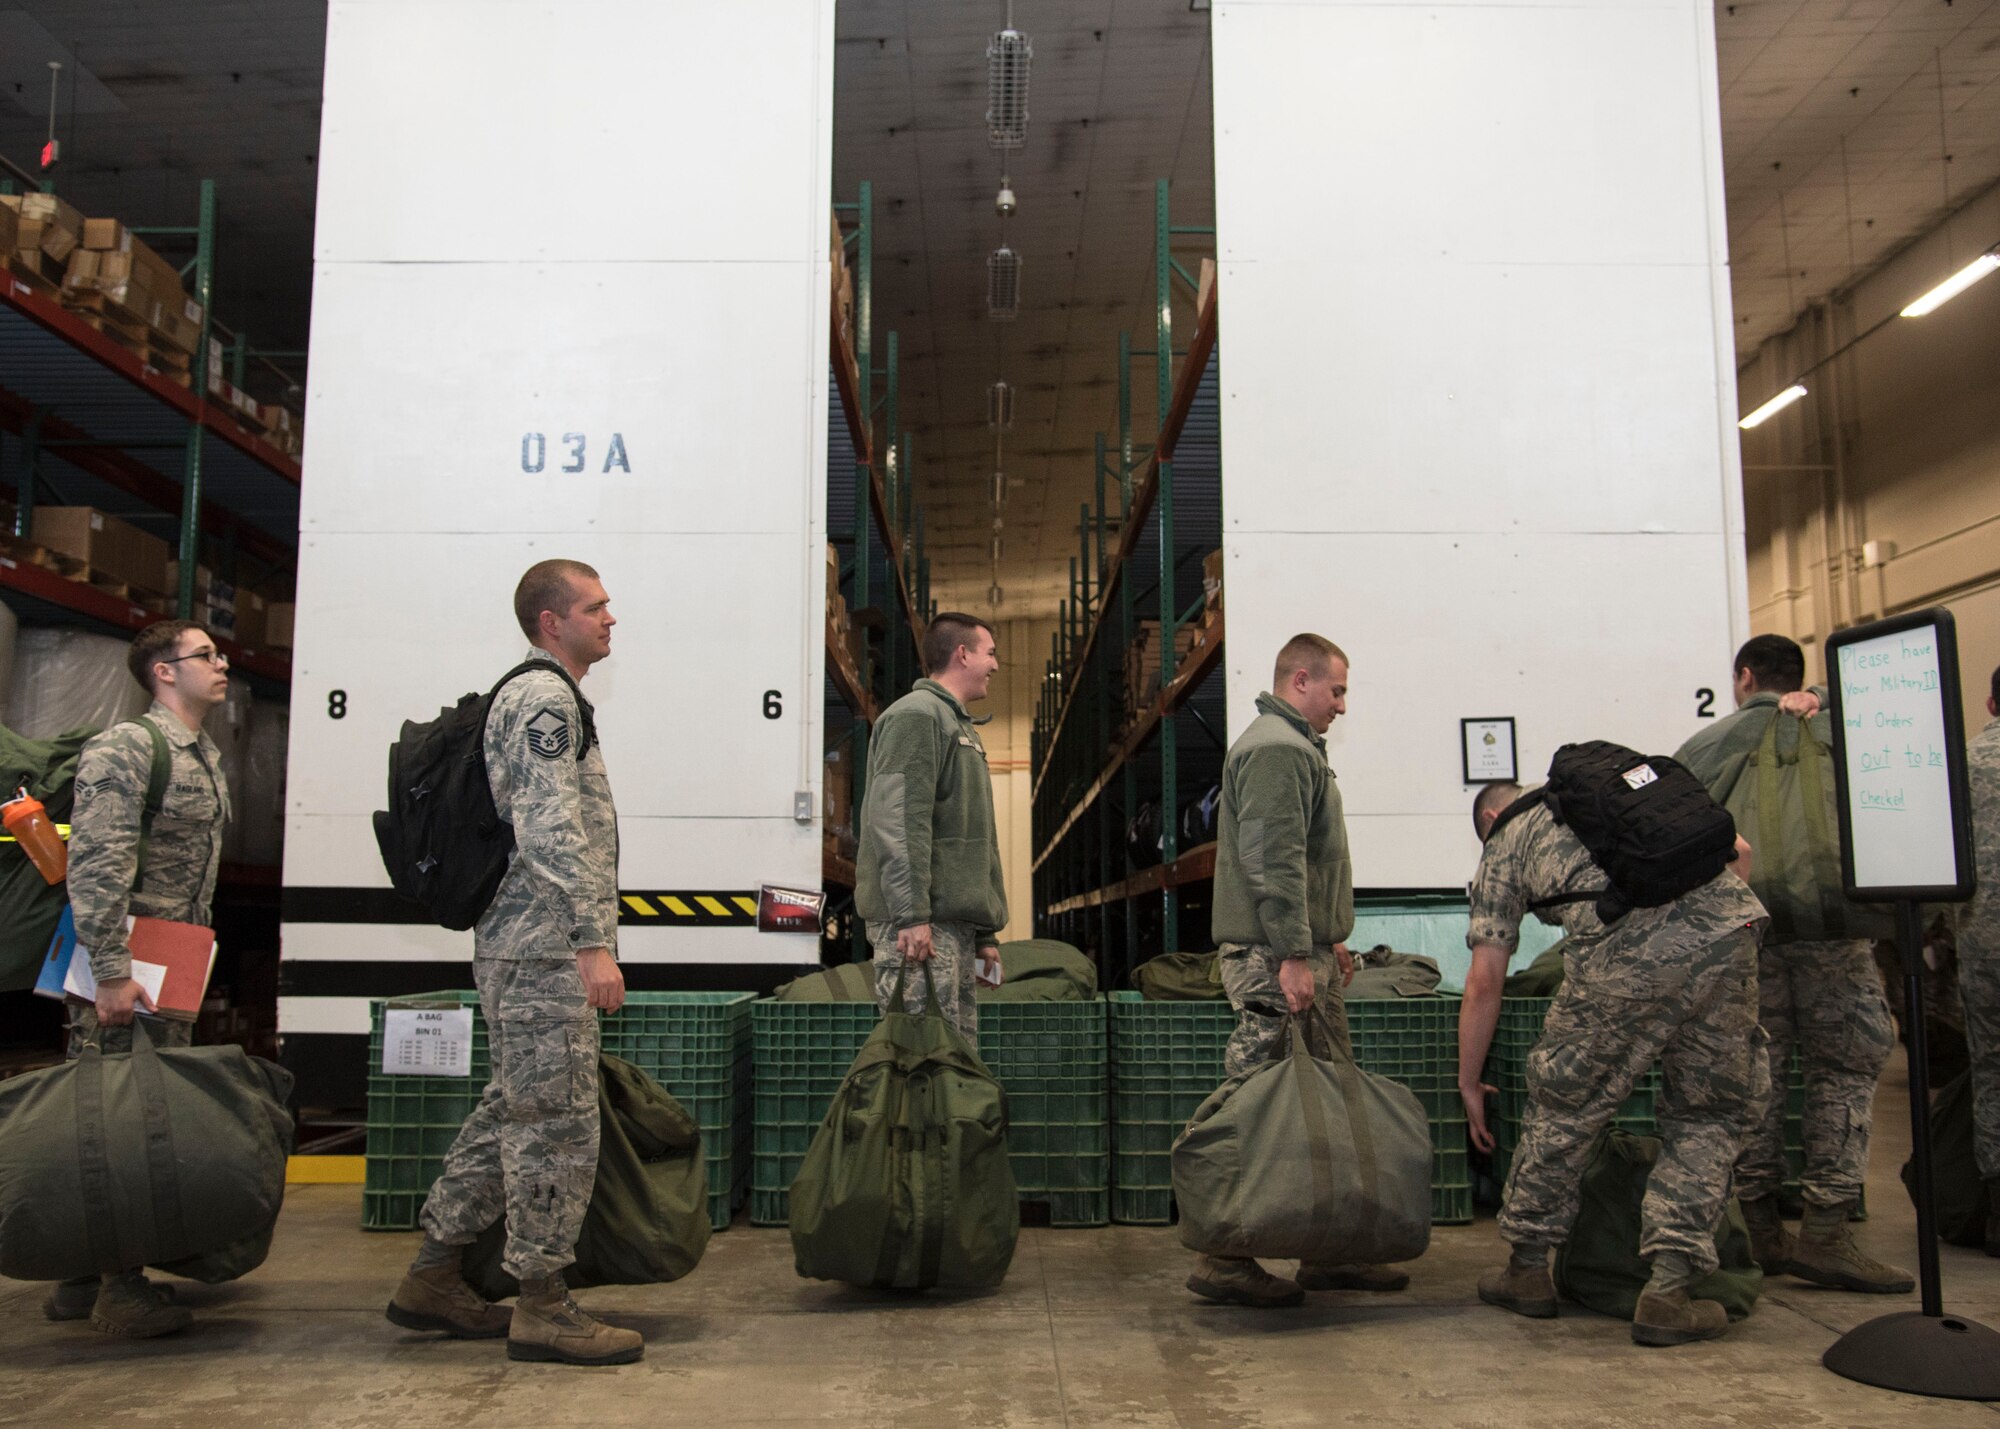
x: 748, y: 905
x: 679, y: 909
x: 713, y: 905
x: 640, y: 906
x: 325, y: 1170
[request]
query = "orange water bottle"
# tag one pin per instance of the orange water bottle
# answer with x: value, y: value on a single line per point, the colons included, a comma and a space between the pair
x: 29, y: 823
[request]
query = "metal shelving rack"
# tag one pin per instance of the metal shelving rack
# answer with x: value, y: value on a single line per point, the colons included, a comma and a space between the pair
x: 1095, y: 762
x: 89, y: 422
x: 872, y: 518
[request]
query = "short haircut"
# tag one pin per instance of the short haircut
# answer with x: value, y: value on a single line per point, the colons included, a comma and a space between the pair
x: 547, y: 586
x: 1492, y: 799
x: 948, y: 630
x: 1304, y: 652
x: 158, y: 641
x: 1775, y: 663
x: 1995, y: 690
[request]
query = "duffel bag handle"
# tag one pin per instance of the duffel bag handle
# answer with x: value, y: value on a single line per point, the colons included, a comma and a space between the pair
x: 931, y: 1007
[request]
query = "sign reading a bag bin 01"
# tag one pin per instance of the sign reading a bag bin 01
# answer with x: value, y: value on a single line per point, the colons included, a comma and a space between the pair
x: 427, y: 1042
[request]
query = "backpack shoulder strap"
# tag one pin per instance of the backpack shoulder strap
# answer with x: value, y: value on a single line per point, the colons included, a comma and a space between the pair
x: 583, y: 707
x: 1532, y: 800
x: 157, y: 775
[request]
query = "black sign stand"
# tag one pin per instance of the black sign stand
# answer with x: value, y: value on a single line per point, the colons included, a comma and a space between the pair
x: 1926, y: 1351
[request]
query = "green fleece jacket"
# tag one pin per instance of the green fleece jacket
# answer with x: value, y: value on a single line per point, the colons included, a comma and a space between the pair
x: 1283, y: 878
x: 929, y: 848
x: 1718, y: 753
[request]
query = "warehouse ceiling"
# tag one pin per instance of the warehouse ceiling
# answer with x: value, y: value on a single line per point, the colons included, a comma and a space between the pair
x: 1837, y: 116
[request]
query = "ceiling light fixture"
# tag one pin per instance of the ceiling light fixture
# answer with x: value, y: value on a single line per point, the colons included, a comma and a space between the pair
x: 1007, y: 60
x: 1776, y: 405
x: 1000, y: 406
x: 1003, y: 284
x: 999, y: 489
x: 1957, y: 283
x: 1004, y: 202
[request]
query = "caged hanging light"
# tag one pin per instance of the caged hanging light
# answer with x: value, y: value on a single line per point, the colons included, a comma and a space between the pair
x: 1003, y: 284
x: 1000, y: 406
x: 1007, y: 58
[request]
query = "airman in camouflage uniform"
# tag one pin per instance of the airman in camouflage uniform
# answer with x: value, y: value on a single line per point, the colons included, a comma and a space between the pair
x: 1979, y: 961
x: 109, y: 881
x: 1284, y: 901
x: 1821, y: 995
x: 1677, y: 984
x: 543, y: 961
x: 928, y: 881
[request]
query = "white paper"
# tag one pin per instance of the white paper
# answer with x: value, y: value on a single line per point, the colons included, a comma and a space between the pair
x: 1898, y: 781
x: 82, y: 983
x: 427, y: 1041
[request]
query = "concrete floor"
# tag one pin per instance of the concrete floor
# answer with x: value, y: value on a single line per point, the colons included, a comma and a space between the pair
x: 1092, y: 1328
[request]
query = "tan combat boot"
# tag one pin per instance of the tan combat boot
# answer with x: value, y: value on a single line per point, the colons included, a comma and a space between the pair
x: 1382, y: 1278
x: 129, y: 1305
x: 1526, y: 1290
x: 1827, y: 1255
x: 436, y: 1297
x: 548, y: 1325
x: 1993, y: 1216
x: 1770, y: 1243
x: 1241, y: 1282
x: 1673, y: 1317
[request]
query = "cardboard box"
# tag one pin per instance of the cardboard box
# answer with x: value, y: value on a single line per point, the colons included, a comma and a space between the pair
x: 278, y: 624
x: 52, y: 210
x: 1205, y: 285
x: 107, y: 545
x: 106, y: 233
x: 1211, y: 580
x: 10, y: 229
x: 251, y: 612
x: 209, y: 589
x: 838, y: 788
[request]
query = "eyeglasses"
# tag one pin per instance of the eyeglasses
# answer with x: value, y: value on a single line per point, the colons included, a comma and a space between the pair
x: 214, y: 657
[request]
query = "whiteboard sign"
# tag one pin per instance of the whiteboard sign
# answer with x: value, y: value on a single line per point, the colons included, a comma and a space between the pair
x: 1899, y: 759
x: 427, y: 1042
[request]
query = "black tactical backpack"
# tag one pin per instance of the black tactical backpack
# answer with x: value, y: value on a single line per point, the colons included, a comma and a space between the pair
x: 1647, y: 821
x: 442, y: 840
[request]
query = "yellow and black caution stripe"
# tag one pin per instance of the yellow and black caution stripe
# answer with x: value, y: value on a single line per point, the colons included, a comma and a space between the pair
x: 685, y: 908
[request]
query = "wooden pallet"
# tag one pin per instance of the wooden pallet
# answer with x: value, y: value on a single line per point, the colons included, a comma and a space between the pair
x: 25, y: 552
x: 102, y: 305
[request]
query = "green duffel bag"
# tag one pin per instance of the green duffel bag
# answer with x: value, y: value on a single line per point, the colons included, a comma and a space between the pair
x: 1541, y: 978
x: 1599, y: 1266
x: 169, y: 1158
x: 1783, y: 803
x: 648, y: 1218
x: 1957, y: 1193
x: 1306, y: 1158
x: 1041, y: 970
x: 906, y: 1185
x: 843, y: 982
x: 1382, y: 972
x: 1180, y: 977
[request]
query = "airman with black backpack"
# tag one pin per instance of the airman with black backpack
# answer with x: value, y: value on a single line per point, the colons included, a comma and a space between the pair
x: 1631, y: 858
x: 1770, y: 762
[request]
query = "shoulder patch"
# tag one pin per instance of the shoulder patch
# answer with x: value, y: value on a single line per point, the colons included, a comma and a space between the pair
x: 548, y: 734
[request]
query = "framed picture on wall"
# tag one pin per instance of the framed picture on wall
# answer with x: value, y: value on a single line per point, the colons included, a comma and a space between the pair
x: 1486, y: 747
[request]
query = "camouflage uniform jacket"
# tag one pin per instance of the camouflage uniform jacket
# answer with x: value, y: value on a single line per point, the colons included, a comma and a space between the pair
x: 560, y: 893
x: 930, y: 850
x: 1283, y: 878
x: 1533, y: 857
x: 183, y: 854
x: 1982, y: 760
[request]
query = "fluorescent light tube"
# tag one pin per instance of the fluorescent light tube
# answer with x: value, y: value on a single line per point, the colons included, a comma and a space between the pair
x: 1776, y: 405
x: 1954, y: 285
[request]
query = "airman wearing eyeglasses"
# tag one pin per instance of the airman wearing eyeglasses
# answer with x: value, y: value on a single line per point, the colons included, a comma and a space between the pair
x: 179, y: 665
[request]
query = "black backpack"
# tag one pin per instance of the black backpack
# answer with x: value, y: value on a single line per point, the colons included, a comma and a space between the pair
x: 442, y: 840
x: 1646, y: 819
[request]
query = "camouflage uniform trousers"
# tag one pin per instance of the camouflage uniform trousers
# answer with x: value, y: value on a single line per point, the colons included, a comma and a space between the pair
x: 951, y: 967
x: 1250, y: 977
x: 529, y: 1149
x: 1826, y: 998
x: 1979, y: 986
x: 1612, y: 1019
